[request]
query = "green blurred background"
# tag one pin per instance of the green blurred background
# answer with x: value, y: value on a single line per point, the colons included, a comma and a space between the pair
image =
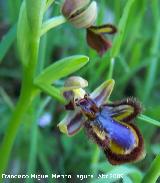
x: 41, y: 148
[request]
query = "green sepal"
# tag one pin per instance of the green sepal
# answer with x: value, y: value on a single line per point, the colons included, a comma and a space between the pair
x: 52, y: 91
x: 28, y: 30
x: 35, y: 10
x: 23, y: 35
x: 61, y: 68
x: 56, y: 71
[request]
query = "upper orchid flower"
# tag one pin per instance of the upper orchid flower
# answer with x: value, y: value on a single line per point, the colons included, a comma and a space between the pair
x: 108, y: 124
x: 82, y: 14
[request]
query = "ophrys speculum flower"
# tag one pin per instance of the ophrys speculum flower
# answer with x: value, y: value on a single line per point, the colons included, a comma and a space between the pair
x: 82, y: 14
x: 108, y: 124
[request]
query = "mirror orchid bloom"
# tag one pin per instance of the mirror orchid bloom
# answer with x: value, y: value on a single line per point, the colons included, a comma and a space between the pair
x: 108, y: 124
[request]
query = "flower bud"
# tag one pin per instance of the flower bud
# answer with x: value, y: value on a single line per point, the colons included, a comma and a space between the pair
x: 81, y: 13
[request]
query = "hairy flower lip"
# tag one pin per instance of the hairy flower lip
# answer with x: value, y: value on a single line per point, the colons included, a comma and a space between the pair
x: 116, y: 159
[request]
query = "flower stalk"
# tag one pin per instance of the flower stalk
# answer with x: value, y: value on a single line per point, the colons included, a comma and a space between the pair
x: 18, y: 114
x: 28, y: 38
x: 33, y: 23
x: 51, y: 23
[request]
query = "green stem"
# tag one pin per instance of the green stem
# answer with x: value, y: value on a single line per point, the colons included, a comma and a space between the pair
x: 154, y: 171
x: 36, y: 114
x: 111, y: 68
x: 51, y: 23
x: 15, y: 121
x: 34, y: 141
x: 28, y: 89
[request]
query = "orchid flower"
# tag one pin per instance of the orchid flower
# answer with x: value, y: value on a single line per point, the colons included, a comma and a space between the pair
x: 82, y: 14
x: 108, y: 124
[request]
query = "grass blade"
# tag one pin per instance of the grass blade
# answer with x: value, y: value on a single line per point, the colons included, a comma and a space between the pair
x: 154, y: 171
x: 121, y: 29
x: 7, y: 41
x: 149, y: 120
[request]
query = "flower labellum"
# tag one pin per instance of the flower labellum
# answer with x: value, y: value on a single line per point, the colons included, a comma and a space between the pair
x: 108, y: 124
x: 83, y: 14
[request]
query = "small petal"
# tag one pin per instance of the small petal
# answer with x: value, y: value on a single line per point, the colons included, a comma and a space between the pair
x: 125, y: 110
x: 72, y: 123
x: 101, y: 94
x: 104, y: 29
x: 68, y: 95
x: 98, y: 42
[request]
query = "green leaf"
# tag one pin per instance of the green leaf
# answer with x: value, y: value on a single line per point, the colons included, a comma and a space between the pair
x: 7, y: 41
x: 61, y: 69
x: 149, y: 120
x: 56, y: 71
x: 153, y: 172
